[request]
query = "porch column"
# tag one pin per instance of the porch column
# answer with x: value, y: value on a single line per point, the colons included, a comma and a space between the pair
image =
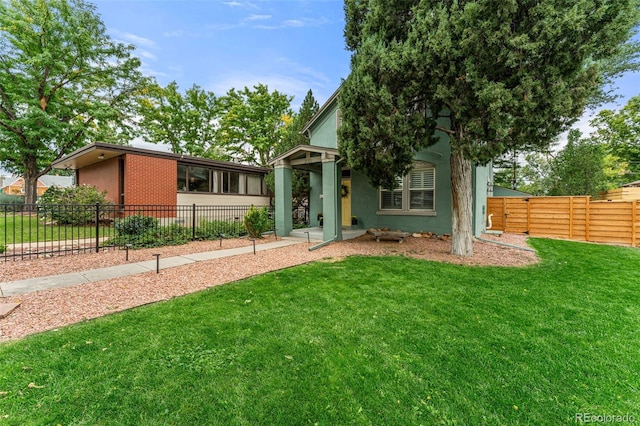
x: 331, y: 199
x: 283, y: 199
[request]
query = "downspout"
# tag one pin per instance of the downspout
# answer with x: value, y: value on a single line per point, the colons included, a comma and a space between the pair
x: 335, y: 237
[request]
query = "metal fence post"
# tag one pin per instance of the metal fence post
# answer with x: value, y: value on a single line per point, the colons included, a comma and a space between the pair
x: 193, y: 223
x: 97, y: 227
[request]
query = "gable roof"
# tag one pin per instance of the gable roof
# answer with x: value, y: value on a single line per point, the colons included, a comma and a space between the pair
x: 59, y: 181
x: 328, y: 104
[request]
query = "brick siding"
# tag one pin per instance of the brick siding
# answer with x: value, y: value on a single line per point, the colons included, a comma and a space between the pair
x: 150, y: 180
x: 104, y: 176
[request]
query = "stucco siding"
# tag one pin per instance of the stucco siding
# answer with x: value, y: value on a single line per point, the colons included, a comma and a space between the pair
x: 324, y: 131
x: 221, y: 200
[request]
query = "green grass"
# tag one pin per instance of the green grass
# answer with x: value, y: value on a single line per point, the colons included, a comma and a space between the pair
x: 24, y: 229
x: 385, y: 341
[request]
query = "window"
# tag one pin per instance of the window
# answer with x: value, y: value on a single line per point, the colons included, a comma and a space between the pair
x: 254, y: 185
x: 204, y: 179
x: 391, y: 200
x: 414, y: 194
x: 198, y: 179
x: 231, y: 183
x: 182, y: 178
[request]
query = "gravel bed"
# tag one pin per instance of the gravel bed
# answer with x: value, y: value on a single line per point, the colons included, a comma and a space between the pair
x: 51, y: 309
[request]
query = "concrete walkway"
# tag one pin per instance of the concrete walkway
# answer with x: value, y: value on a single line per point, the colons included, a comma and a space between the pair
x: 14, y: 288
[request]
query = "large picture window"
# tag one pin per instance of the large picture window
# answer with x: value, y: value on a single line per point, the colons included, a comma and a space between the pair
x: 204, y: 179
x: 414, y: 193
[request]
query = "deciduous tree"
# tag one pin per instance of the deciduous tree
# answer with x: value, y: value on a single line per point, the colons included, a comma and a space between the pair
x: 63, y: 81
x: 252, y: 123
x: 489, y: 76
x: 620, y: 130
x: 186, y: 122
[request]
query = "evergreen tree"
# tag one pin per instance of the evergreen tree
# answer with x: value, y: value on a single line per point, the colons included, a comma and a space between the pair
x: 488, y: 76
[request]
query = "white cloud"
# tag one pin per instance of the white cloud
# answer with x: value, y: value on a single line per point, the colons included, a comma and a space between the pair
x: 292, y: 85
x: 241, y: 4
x: 258, y: 18
x: 293, y: 23
x: 174, y: 33
x: 147, y: 55
x: 135, y: 39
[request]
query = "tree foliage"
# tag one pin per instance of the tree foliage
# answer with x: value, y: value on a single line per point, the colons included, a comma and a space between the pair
x: 620, y: 130
x: 63, y: 81
x: 492, y: 76
x: 292, y: 137
x: 252, y: 123
x: 579, y: 168
x: 186, y: 122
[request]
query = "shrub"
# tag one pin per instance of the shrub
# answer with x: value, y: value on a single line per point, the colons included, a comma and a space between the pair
x: 136, y: 225
x: 256, y: 221
x: 153, y: 236
x: 11, y: 203
x: 3, y: 248
x: 73, y: 205
x: 210, y: 230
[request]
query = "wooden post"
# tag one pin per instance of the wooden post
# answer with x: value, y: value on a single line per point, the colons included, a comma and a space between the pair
x: 528, y: 216
x: 571, y: 218
x: 504, y: 214
x: 634, y: 206
x: 587, y: 220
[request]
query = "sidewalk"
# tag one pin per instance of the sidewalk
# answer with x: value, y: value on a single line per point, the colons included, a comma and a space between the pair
x: 14, y: 288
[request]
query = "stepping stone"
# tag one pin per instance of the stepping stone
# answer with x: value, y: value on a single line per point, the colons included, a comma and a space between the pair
x: 7, y: 308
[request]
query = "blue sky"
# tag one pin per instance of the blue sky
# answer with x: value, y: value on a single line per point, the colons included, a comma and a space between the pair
x: 291, y: 46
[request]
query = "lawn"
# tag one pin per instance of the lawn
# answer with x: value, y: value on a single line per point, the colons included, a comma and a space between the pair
x: 16, y: 229
x: 384, y: 340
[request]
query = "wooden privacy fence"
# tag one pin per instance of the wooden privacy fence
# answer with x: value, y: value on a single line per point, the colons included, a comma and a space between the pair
x: 573, y: 218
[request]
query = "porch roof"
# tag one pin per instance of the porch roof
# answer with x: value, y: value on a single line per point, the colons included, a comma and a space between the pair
x: 308, y: 157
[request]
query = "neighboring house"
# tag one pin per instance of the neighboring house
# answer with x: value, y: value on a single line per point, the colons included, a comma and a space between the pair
x: 501, y: 191
x: 422, y: 201
x: 15, y: 185
x: 136, y: 176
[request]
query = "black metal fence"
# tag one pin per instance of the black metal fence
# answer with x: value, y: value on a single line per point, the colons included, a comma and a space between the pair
x: 31, y: 231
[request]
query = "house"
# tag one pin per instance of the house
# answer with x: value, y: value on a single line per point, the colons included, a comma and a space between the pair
x: 136, y: 176
x: 422, y: 201
x: 15, y: 185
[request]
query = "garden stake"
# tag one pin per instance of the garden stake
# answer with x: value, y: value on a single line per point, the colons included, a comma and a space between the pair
x: 126, y: 250
x: 157, y: 263
x: 254, y: 245
x: 308, y: 238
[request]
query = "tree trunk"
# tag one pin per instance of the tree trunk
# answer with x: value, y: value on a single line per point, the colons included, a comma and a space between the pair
x: 462, y: 201
x: 30, y: 180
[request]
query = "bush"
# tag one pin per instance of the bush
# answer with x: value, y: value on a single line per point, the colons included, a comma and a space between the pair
x: 3, y: 248
x: 152, y: 236
x: 72, y: 206
x: 136, y: 225
x: 207, y: 230
x: 11, y: 203
x: 256, y: 221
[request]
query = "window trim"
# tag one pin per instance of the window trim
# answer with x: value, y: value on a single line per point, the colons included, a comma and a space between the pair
x: 406, y: 209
